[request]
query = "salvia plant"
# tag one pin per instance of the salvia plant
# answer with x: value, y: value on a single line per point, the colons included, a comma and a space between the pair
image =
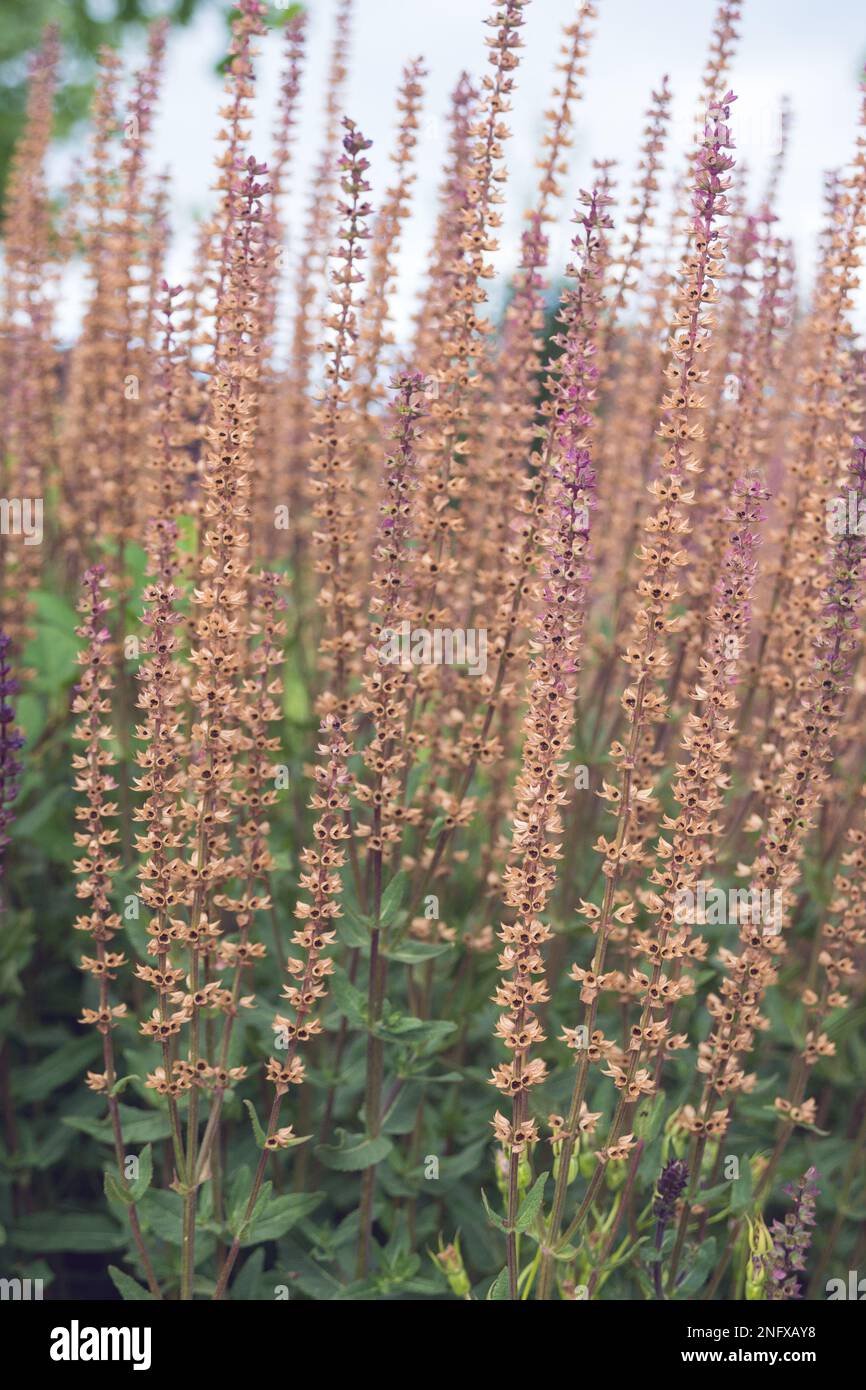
x: 432, y: 819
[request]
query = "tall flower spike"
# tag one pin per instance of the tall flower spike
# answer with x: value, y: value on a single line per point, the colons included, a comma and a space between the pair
x: 92, y: 400
x: 267, y: 535
x: 294, y: 440
x: 707, y: 746
x: 375, y: 338
x: 386, y: 700
x: 322, y: 883
x: 793, y: 803
x: 318, y: 913
x: 555, y: 647
x: 220, y: 632
x: 94, y: 780
x: 253, y: 797
x: 333, y: 435
x: 160, y: 702
x: 661, y: 556
x: 91, y: 704
x: 27, y: 348
x: 512, y: 413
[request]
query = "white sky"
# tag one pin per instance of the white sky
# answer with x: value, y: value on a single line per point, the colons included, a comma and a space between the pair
x: 808, y: 51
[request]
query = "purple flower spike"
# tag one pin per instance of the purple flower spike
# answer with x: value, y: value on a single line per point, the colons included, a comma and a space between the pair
x: 792, y: 1238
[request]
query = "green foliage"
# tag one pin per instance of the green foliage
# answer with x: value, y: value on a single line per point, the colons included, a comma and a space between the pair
x: 83, y: 31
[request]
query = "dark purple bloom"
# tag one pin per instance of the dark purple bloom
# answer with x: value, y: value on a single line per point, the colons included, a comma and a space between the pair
x: 792, y: 1238
x: 669, y: 1189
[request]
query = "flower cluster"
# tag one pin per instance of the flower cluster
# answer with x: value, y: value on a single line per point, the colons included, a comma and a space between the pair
x: 321, y: 880
x: 554, y: 659
x: 791, y: 1239
x: 95, y: 782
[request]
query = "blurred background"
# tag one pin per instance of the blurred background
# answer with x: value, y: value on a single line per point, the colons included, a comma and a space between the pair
x: 809, y: 53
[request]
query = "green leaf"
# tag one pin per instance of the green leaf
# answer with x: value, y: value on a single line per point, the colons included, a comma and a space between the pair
x: 492, y: 1216
x: 355, y: 1152
x: 245, y: 1285
x: 697, y: 1275
x: 458, y: 1165
x: 145, y: 1173
x: 419, y: 1032
x: 257, y: 1129
x: 412, y: 952
x: 139, y: 1127
x: 649, y: 1117
x: 354, y: 929
x: 31, y: 716
x: 239, y: 1200
x: 499, y: 1288
x: 741, y: 1189
x: 55, y: 611
x: 280, y: 1216
x: 120, y: 1086
x: 85, y: 1232
x: 38, y: 1082
x: 350, y: 1001
x: 52, y: 654
x: 531, y: 1204
x: 392, y: 898
x: 162, y: 1213
x: 116, y: 1192
x: 128, y: 1193
x: 42, y: 1153
x: 129, y: 1289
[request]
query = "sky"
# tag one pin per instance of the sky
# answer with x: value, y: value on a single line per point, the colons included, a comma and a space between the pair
x: 810, y: 53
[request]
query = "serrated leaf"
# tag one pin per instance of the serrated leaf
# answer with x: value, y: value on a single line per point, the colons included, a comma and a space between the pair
x: 115, y: 1191
x: 162, y: 1213
x: 280, y: 1216
x: 531, y: 1204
